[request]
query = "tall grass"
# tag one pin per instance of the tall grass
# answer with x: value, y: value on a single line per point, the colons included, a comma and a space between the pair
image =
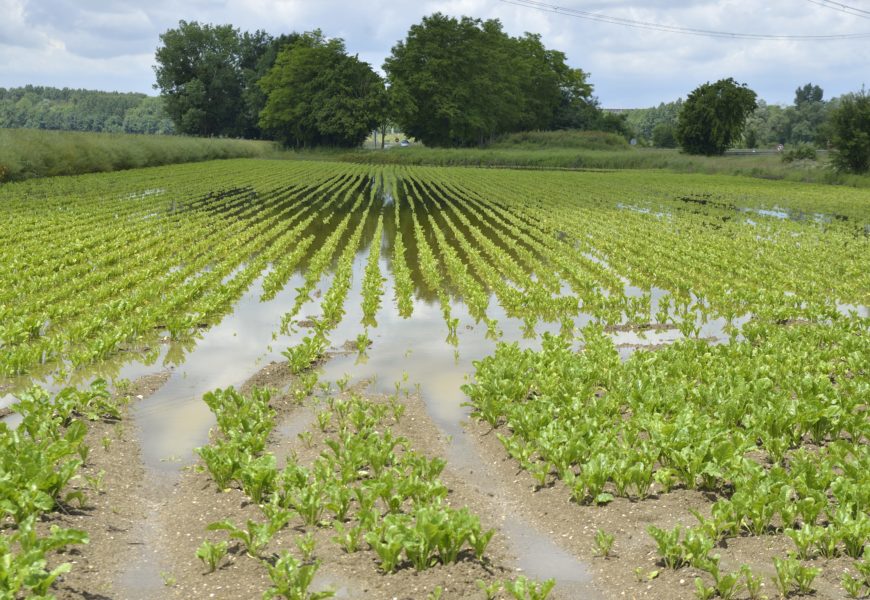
x: 571, y: 138
x: 26, y: 153
x: 762, y: 166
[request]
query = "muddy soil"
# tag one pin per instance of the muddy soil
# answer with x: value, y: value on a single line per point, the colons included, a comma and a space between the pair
x: 159, y: 520
x: 634, y: 570
x: 113, y: 505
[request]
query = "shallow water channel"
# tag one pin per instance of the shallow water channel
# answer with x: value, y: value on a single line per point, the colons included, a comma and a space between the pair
x: 412, y: 351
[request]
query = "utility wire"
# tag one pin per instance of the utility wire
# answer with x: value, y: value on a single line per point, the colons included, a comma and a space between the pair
x: 648, y: 25
x: 843, y: 8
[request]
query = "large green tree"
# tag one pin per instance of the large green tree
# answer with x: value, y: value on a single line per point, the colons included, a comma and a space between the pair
x: 318, y: 95
x: 464, y: 81
x: 207, y: 77
x: 850, y: 128
x: 713, y: 116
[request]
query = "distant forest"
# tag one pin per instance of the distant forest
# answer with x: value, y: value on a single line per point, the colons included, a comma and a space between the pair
x: 38, y: 107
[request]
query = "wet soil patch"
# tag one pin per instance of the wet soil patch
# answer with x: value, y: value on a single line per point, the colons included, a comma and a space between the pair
x: 112, y: 508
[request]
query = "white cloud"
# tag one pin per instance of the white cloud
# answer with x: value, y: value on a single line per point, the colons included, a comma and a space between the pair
x: 110, y: 45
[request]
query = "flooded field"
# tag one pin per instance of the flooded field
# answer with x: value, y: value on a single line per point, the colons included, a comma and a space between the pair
x: 346, y: 283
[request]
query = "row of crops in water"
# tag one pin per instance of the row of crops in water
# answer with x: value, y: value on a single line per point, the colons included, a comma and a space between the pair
x: 769, y: 417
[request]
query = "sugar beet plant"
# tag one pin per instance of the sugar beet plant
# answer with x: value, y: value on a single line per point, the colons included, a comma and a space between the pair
x: 39, y: 460
x: 367, y: 484
x: 692, y: 416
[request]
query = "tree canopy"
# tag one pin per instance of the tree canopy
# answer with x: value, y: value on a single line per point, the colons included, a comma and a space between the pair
x: 40, y: 107
x: 318, y: 95
x: 207, y: 77
x: 713, y: 116
x: 464, y: 81
x: 850, y: 127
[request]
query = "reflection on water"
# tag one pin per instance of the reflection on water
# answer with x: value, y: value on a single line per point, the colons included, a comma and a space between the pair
x: 414, y: 351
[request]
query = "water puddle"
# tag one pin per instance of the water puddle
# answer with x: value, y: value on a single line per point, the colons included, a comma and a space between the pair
x: 415, y: 352
x: 174, y: 420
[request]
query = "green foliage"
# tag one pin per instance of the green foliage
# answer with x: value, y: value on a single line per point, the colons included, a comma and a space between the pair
x: 568, y: 138
x: 850, y: 125
x: 664, y: 136
x: 463, y: 81
x: 211, y: 554
x: 24, y: 570
x: 713, y: 117
x: 28, y: 153
x: 38, y: 107
x: 800, y: 152
x: 603, y: 543
x: 255, y: 536
x: 793, y: 577
x: 523, y: 588
x: 644, y: 120
x: 318, y: 95
x: 207, y: 76
x: 292, y: 578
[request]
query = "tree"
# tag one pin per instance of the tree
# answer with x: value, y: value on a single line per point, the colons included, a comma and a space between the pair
x: 460, y: 82
x: 317, y: 95
x: 663, y: 136
x: 713, y: 116
x: 207, y: 77
x: 807, y: 94
x: 645, y: 120
x: 850, y: 129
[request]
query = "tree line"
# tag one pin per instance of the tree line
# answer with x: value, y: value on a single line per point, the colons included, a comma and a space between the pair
x: 451, y: 82
x: 38, y: 107
x: 717, y: 116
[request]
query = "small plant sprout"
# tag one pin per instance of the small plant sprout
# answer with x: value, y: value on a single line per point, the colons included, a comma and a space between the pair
x: 211, y: 554
x: 603, y: 543
x: 306, y: 437
x: 291, y: 580
x: 702, y: 590
x: 306, y: 544
x: 106, y: 442
x: 854, y: 586
x: 523, y: 588
x: 490, y: 590
x: 95, y: 482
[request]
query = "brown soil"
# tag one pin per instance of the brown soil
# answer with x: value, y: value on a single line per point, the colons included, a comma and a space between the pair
x: 194, y: 502
x: 633, y: 571
x: 110, y: 513
x: 160, y: 519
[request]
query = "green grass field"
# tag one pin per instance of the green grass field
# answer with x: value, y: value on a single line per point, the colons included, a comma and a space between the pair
x: 27, y: 153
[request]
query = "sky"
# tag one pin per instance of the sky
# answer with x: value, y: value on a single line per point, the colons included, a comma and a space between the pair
x: 109, y: 44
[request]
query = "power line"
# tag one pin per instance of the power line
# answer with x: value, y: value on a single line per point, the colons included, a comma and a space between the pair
x: 648, y: 25
x: 843, y: 8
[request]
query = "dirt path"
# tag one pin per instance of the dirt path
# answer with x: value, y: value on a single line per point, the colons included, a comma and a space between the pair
x: 114, y: 505
x: 145, y: 526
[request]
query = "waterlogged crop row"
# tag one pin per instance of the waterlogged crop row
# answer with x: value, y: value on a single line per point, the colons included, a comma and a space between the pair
x: 773, y: 426
x: 368, y: 485
x: 726, y: 253
x: 171, y: 249
x: 39, y: 461
x: 177, y: 261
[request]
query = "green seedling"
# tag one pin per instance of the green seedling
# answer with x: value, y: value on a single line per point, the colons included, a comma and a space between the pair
x: 523, y: 588
x: 291, y: 579
x: 95, y: 482
x: 603, y: 543
x: 255, y: 537
x: 490, y: 590
x: 211, y: 554
x: 306, y: 544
